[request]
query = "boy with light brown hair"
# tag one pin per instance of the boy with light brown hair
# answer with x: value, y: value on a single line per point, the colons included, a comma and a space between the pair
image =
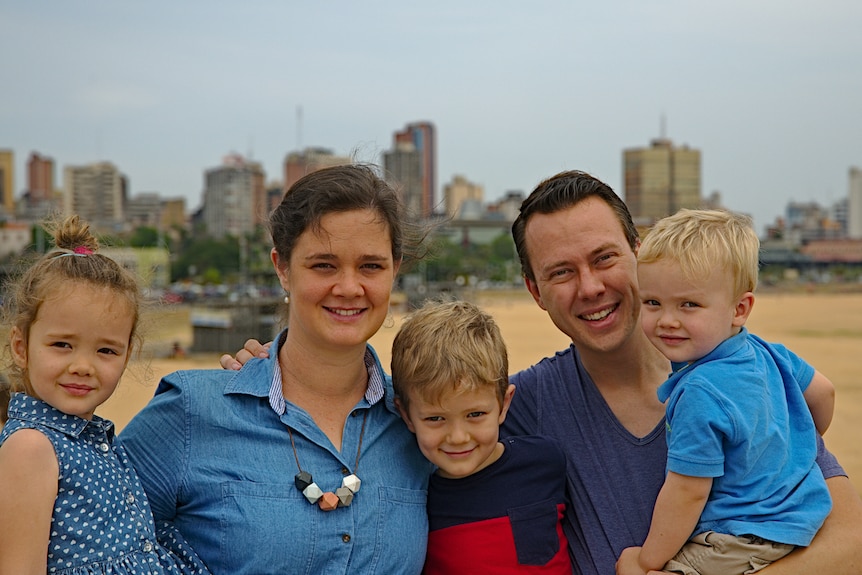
x: 493, y: 506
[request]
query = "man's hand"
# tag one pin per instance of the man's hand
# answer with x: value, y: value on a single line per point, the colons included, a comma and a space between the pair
x: 253, y: 348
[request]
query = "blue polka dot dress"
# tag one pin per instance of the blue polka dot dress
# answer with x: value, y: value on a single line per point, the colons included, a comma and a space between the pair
x: 102, y: 523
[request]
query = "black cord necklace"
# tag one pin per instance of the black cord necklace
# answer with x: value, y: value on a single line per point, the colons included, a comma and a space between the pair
x: 328, y: 501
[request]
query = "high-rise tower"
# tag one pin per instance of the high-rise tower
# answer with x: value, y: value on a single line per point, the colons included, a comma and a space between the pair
x: 661, y: 179
x: 7, y: 181
x: 412, y: 163
x: 96, y: 192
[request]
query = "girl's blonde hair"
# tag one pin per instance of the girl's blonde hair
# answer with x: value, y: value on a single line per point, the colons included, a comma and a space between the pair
x: 73, y: 259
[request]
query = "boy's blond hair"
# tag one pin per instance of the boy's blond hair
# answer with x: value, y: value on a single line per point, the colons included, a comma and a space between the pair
x: 447, y: 346
x: 701, y: 241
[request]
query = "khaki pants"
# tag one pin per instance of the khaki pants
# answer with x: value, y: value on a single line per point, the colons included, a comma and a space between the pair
x: 712, y: 553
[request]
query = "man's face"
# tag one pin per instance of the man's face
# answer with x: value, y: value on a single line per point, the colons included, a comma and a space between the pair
x: 585, y: 274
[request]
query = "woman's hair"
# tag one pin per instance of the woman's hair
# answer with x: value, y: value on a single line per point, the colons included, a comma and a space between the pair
x: 73, y: 259
x: 342, y: 189
x: 704, y: 240
x: 447, y: 346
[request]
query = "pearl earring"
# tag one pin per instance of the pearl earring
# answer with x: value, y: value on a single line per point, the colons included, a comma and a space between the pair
x: 287, y: 297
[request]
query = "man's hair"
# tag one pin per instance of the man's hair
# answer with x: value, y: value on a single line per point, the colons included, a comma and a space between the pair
x: 447, y: 346
x: 701, y: 241
x: 563, y: 191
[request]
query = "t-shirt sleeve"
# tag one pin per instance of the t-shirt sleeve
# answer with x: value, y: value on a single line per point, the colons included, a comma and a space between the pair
x: 696, y: 433
x: 827, y: 462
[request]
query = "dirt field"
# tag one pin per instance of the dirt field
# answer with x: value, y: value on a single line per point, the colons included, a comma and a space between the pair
x: 825, y: 329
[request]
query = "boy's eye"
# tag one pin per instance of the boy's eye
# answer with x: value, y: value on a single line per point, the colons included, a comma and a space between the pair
x: 476, y: 413
x: 433, y: 418
x: 108, y: 351
x: 61, y: 344
x: 650, y: 302
x: 690, y: 304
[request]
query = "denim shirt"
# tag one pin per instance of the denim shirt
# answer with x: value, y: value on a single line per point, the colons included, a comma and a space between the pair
x: 216, y: 460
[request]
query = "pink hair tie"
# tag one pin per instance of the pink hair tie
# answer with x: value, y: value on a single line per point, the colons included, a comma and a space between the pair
x: 83, y: 251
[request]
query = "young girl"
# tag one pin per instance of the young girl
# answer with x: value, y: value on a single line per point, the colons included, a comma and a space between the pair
x: 70, y: 501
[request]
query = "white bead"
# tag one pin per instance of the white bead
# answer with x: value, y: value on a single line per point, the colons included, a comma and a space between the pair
x: 312, y: 493
x: 352, y: 483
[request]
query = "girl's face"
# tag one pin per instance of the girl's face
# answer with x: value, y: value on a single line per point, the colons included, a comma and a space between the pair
x: 78, y: 348
x: 340, y: 280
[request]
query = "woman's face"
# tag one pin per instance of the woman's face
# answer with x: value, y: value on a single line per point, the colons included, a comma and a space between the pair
x: 340, y: 279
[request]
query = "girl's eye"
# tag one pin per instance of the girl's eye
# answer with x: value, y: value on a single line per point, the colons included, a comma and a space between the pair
x: 108, y: 351
x: 650, y: 302
x: 690, y: 304
x: 61, y: 344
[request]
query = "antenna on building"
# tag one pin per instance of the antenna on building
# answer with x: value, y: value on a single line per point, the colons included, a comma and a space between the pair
x: 662, y: 127
x: 299, y: 127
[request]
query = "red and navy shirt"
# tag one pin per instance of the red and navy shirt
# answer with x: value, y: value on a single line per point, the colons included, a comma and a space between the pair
x: 504, y: 518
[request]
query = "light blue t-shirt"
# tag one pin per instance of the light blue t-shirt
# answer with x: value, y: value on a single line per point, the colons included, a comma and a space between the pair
x: 215, y: 459
x: 738, y: 415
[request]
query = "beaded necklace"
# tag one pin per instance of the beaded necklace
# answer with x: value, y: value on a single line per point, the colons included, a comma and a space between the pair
x: 328, y: 501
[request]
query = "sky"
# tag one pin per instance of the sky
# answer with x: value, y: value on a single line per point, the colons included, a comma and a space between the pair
x: 769, y: 91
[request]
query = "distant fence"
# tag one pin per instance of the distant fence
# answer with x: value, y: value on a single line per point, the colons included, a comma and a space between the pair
x: 225, y: 326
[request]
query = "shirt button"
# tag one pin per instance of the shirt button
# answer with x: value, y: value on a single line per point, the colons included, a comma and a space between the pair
x: 104, y: 447
x: 346, y: 538
x: 130, y: 498
x: 147, y: 546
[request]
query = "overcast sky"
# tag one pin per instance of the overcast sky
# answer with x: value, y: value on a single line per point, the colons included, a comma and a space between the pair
x: 770, y: 91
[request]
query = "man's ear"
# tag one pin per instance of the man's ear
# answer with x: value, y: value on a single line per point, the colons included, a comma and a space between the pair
x: 404, y: 415
x: 533, y: 288
x: 743, y: 308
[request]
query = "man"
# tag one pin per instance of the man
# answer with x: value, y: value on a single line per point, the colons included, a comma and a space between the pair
x: 577, y: 247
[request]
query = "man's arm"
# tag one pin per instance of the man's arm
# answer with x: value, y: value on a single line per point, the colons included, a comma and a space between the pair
x: 253, y: 348
x: 837, y: 547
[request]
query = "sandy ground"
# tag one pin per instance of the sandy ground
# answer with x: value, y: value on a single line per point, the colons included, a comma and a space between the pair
x: 825, y: 329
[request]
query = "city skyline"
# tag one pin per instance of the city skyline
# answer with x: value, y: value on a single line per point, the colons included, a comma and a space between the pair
x: 766, y: 92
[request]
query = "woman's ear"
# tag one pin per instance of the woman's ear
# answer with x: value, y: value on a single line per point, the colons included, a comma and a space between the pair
x: 280, y: 269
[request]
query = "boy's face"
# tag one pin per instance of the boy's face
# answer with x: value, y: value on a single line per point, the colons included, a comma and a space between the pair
x: 461, y: 434
x: 687, y: 319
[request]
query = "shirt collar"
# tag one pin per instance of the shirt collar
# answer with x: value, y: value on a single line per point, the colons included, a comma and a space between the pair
x: 33, y: 410
x: 373, y: 393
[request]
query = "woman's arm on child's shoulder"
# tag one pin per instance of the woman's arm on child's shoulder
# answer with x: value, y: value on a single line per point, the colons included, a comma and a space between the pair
x: 29, y: 477
x: 820, y: 397
x: 837, y: 547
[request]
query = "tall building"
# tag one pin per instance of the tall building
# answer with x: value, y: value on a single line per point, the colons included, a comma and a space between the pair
x: 661, y: 179
x: 96, y: 192
x: 232, y: 194
x: 854, y: 204
x: 421, y: 136
x: 40, y: 178
x: 298, y: 164
x: 402, y: 166
x: 7, y: 181
x: 459, y: 191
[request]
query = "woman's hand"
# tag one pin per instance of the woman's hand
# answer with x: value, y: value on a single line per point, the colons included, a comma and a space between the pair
x: 253, y: 348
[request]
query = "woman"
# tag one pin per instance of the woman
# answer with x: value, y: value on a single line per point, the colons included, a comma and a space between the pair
x: 300, y: 463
